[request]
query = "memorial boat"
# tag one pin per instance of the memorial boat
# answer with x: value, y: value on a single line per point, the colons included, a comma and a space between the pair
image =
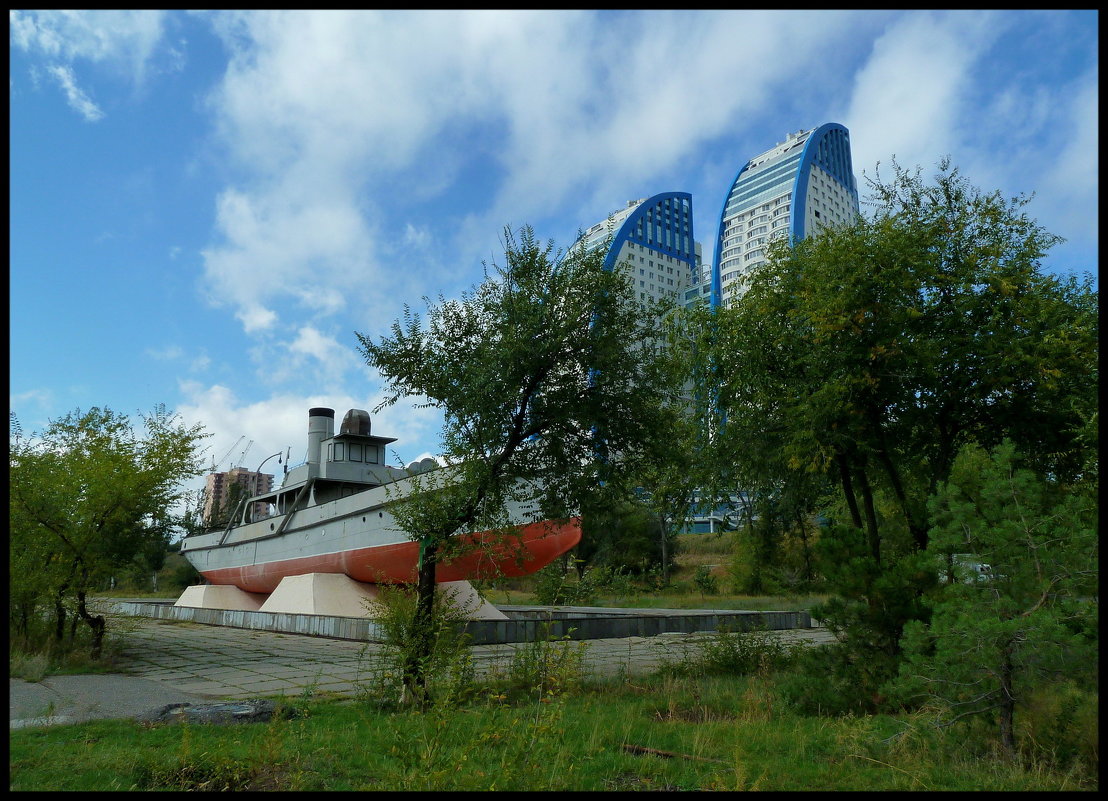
x: 331, y: 515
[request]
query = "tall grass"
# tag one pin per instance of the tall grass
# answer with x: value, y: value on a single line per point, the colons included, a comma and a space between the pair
x: 713, y: 721
x: 659, y: 733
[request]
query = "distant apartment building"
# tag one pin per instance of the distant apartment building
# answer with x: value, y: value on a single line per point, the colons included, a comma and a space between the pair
x: 651, y: 241
x: 218, y: 490
x: 790, y: 190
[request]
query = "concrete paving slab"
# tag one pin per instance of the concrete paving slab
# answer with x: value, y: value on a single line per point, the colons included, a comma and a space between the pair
x: 180, y: 662
x: 76, y: 699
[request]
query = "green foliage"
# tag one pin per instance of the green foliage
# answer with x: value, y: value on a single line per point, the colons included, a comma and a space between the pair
x: 538, y: 370
x: 1059, y: 724
x: 545, y: 362
x: 625, y: 536
x: 90, y: 499
x: 556, y: 586
x: 836, y: 680
x: 183, y: 575
x: 773, y: 555
x: 446, y: 666
x: 547, y: 667
x: 737, y: 653
x: 705, y: 581
x: 991, y: 643
x: 858, y: 364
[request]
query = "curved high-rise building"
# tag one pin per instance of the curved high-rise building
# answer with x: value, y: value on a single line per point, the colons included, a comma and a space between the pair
x: 652, y: 241
x: 803, y: 183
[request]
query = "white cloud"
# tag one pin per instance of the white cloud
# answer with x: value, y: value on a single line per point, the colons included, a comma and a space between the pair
x: 909, y: 98
x: 1072, y: 177
x: 971, y: 85
x: 77, y: 99
x: 280, y: 422
x: 319, y: 355
x: 41, y: 400
x: 124, y: 39
x: 168, y: 353
x: 285, y: 242
x: 339, y: 117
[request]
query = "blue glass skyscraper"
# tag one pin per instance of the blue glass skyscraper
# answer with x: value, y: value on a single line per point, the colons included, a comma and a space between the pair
x: 791, y: 190
x: 652, y: 243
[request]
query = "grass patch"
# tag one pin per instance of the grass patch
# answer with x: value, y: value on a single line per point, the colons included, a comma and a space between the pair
x: 668, y: 732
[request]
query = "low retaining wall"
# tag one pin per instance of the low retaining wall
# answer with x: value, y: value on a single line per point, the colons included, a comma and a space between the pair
x: 525, y: 623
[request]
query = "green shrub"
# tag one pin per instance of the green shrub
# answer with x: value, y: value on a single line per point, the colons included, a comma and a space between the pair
x: 1058, y: 724
x: 705, y: 581
x: 449, y: 667
x: 737, y: 653
x: 556, y: 587
x: 833, y: 680
x: 546, y: 667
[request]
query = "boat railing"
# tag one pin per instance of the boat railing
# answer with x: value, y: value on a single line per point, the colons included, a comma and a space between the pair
x: 295, y: 505
x: 284, y: 522
x: 231, y: 520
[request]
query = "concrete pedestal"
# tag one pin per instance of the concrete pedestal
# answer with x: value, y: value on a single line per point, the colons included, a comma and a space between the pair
x: 331, y: 594
x: 221, y: 596
x: 322, y: 594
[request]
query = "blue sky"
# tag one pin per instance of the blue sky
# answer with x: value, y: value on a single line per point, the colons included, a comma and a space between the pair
x: 206, y: 206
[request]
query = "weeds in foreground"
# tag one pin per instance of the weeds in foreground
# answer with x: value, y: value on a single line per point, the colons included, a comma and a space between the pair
x: 34, y: 660
x: 666, y: 731
x: 447, y: 668
x: 736, y: 653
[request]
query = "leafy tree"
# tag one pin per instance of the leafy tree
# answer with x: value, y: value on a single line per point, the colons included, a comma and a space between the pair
x: 739, y: 453
x: 89, y: 498
x: 1031, y: 619
x: 622, y: 536
x: 543, y: 376
x: 869, y: 354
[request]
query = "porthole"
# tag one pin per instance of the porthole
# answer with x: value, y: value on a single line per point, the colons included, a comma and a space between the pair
x: 271, y: 527
x: 380, y: 514
x: 363, y: 518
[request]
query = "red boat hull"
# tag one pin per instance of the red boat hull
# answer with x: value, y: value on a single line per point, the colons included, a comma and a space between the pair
x: 519, y: 552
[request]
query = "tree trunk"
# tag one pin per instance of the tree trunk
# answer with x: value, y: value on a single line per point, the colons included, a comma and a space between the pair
x: 96, y: 623
x: 806, y: 552
x: 665, y: 555
x: 848, y: 489
x: 422, y: 645
x: 59, y: 618
x: 1007, y: 704
x: 918, y: 530
x: 871, y: 517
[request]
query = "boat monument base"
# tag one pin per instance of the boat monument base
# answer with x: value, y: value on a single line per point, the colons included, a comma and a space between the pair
x: 331, y: 594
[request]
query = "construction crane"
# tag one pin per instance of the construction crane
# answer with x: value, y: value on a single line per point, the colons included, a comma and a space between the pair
x: 242, y: 456
x: 215, y: 464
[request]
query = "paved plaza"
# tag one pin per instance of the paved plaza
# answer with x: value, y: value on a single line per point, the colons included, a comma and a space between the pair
x: 241, y: 663
x: 181, y: 662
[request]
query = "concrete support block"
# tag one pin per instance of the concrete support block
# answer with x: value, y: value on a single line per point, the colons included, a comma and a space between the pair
x: 338, y: 595
x: 220, y: 596
x: 463, y: 596
x: 332, y: 594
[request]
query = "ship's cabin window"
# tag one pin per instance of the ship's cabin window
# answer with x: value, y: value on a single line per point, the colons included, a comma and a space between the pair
x: 340, y: 447
x: 355, y: 452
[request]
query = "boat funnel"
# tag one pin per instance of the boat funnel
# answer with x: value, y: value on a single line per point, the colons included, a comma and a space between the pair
x: 321, y: 426
x: 356, y: 421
